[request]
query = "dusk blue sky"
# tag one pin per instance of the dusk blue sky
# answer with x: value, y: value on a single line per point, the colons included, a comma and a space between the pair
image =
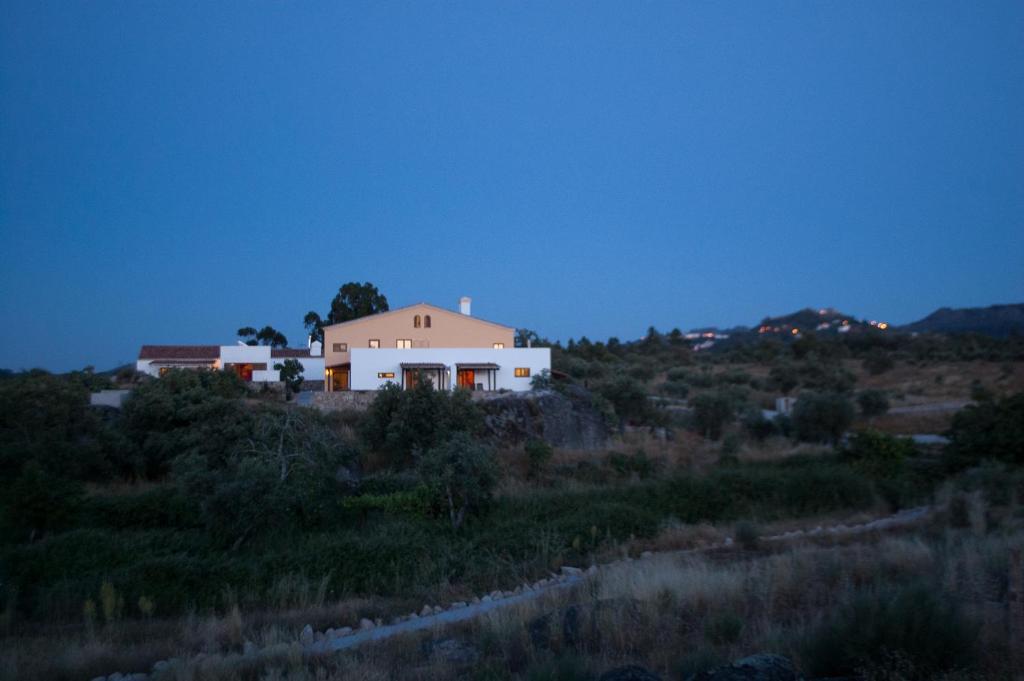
x: 171, y: 171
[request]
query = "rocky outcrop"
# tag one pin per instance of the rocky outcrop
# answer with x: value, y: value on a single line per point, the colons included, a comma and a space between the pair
x: 629, y: 673
x: 753, y: 668
x: 562, y: 419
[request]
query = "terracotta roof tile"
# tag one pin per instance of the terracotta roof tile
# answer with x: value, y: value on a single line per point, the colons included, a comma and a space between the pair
x: 210, y: 352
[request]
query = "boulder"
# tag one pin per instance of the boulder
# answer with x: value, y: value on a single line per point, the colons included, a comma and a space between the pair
x: 562, y: 419
x: 306, y: 637
x: 366, y: 624
x: 761, y: 667
x: 451, y: 651
x: 629, y: 673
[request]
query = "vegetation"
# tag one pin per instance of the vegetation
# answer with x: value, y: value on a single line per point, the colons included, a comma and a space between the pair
x: 268, y: 335
x: 352, y: 301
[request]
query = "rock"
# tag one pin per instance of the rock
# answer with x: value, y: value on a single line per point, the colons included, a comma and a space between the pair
x: 646, y: 554
x: 160, y: 666
x: 486, y: 599
x: 754, y: 668
x: 592, y: 570
x: 451, y: 651
x: 629, y: 673
x: 306, y: 637
x: 116, y: 676
x: 426, y: 611
x: 366, y: 624
x: 344, y: 631
x: 249, y: 649
x: 458, y: 604
x: 562, y: 419
x: 568, y: 570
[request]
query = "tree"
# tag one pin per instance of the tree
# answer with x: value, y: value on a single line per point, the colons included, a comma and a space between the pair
x: 822, y: 417
x: 878, y: 362
x: 291, y: 375
x: 461, y: 475
x: 712, y: 411
x: 352, y: 301
x: 268, y: 335
x: 988, y: 430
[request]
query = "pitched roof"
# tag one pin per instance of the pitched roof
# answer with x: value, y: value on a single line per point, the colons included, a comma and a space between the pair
x: 406, y: 307
x: 180, y: 352
x: 289, y: 352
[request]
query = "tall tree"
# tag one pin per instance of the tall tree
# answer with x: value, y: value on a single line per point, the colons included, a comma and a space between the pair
x: 268, y: 335
x: 353, y: 301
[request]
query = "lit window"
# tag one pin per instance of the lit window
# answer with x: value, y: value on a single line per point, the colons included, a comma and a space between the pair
x: 522, y: 372
x: 341, y: 347
x: 404, y: 343
x: 416, y: 322
x: 426, y: 321
x: 375, y: 342
x: 499, y: 346
x: 385, y: 374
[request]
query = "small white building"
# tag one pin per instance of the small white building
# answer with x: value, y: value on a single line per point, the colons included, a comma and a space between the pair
x: 253, y: 363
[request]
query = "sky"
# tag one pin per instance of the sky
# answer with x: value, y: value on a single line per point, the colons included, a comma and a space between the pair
x: 172, y: 171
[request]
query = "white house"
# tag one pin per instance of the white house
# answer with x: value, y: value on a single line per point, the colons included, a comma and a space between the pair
x: 451, y: 349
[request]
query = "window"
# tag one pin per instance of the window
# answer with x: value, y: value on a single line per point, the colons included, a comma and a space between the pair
x: 416, y: 322
x: 522, y: 372
x: 426, y: 321
x: 499, y: 346
x: 385, y: 374
x: 375, y: 342
x: 403, y: 343
x: 341, y: 347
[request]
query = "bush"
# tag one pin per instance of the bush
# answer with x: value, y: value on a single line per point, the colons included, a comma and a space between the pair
x: 988, y: 430
x: 822, y: 417
x: 917, y: 622
x: 39, y: 502
x: 758, y: 427
x: 723, y: 628
x: 629, y: 398
x: 400, y: 423
x: 748, y: 535
x: 712, y: 412
x: 461, y: 475
x: 638, y: 464
x: 878, y: 362
x: 538, y: 454
x: 878, y: 454
x: 872, y: 403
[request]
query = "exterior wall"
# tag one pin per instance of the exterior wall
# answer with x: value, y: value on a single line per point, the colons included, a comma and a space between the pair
x: 447, y: 330
x: 109, y: 398
x: 151, y: 367
x: 367, y: 363
x: 312, y: 367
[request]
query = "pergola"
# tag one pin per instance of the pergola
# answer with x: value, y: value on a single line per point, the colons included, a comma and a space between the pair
x: 434, y: 368
x: 489, y: 368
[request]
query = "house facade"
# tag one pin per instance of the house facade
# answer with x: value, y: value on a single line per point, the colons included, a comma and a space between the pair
x: 253, y: 363
x: 451, y: 349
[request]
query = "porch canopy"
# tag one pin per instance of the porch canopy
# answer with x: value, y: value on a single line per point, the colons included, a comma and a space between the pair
x: 490, y: 369
x: 409, y: 380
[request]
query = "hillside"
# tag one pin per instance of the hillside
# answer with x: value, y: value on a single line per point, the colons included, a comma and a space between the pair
x: 995, y: 320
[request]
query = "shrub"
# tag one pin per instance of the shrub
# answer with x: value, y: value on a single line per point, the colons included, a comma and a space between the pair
x: 723, y: 628
x: 712, y: 412
x: 401, y: 422
x: 822, y: 417
x: 757, y: 426
x: 629, y: 398
x: 988, y: 430
x: 872, y: 403
x: 878, y: 362
x: 461, y: 475
x: 878, y: 454
x: 638, y: 464
x: 917, y: 622
x: 39, y: 502
x: 538, y: 454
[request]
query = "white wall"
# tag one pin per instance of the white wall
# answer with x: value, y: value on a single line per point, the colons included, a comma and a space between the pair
x: 367, y: 363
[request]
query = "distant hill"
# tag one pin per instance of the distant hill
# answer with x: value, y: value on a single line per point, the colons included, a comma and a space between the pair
x: 995, y: 320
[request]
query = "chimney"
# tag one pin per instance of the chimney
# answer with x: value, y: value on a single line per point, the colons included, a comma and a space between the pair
x: 464, y: 303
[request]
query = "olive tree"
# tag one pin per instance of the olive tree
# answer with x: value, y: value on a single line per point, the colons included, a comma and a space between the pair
x: 461, y: 475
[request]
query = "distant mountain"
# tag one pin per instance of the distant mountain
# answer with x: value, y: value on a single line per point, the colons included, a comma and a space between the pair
x: 995, y: 320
